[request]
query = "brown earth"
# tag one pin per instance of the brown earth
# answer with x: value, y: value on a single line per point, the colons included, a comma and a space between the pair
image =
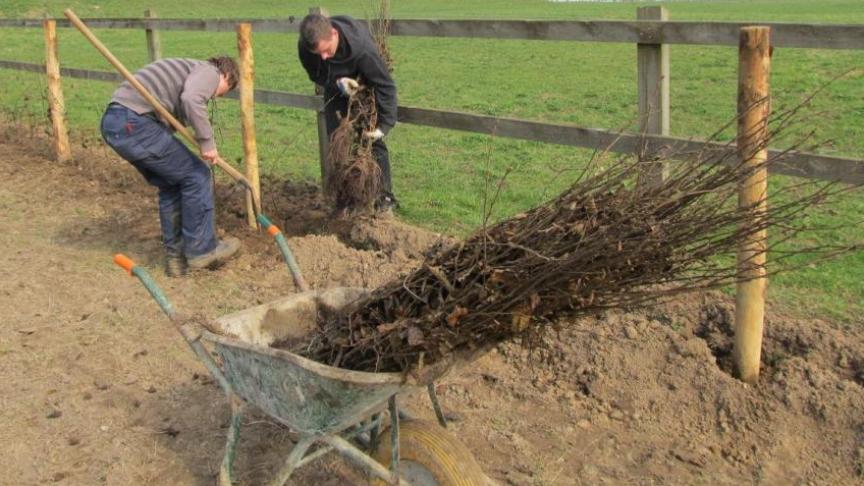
x: 97, y: 388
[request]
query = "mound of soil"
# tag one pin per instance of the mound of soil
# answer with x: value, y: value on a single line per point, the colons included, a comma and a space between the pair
x: 299, y: 208
x: 99, y: 389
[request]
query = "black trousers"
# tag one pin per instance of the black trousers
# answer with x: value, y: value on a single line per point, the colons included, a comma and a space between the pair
x: 339, y: 104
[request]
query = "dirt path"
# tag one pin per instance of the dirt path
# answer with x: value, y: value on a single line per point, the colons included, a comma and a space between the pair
x: 96, y: 388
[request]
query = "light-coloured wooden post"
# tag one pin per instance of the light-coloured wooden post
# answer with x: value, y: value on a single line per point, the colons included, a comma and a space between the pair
x: 154, y: 43
x: 323, y: 137
x: 754, y: 107
x: 652, y: 64
x: 56, y: 105
x: 247, y: 117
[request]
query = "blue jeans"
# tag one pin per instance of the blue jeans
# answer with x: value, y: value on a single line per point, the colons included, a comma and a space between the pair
x: 184, y: 181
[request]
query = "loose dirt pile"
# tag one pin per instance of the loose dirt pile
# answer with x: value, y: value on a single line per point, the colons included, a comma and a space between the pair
x: 98, y: 389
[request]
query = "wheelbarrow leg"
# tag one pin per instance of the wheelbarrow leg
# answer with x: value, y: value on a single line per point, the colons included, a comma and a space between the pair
x: 360, y: 458
x: 227, y: 469
x: 433, y: 396
x: 394, y: 439
x: 294, y: 458
x: 375, y: 432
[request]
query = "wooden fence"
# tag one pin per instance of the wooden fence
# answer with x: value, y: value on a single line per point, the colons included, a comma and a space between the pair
x: 816, y: 36
x: 651, y: 33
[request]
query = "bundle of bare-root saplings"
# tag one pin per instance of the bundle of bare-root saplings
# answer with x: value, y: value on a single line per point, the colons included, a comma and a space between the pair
x: 605, y: 242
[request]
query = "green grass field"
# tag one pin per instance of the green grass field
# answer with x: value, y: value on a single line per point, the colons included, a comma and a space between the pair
x: 440, y: 175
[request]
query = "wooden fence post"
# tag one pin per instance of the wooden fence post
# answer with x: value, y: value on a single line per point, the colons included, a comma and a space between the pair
x: 754, y: 107
x: 56, y: 105
x: 323, y: 137
x: 247, y: 116
x: 154, y: 43
x: 652, y: 64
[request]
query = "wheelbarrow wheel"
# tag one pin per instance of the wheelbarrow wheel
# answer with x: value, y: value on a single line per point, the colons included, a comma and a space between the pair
x: 430, y: 456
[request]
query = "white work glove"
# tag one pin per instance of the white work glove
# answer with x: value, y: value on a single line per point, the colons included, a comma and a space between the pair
x: 374, y: 135
x: 347, y: 86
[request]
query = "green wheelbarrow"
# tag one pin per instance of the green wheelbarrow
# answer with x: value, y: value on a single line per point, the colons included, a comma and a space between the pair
x: 329, y: 409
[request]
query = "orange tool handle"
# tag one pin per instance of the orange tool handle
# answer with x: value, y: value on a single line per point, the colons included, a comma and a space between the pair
x: 124, y: 262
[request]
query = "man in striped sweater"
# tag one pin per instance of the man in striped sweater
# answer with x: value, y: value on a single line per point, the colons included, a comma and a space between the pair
x: 132, y: 128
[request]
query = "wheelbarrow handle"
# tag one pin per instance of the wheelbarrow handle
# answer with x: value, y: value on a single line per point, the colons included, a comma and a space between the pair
x: 124, y: 262
x: 131, y: 268
x: 191, y: 338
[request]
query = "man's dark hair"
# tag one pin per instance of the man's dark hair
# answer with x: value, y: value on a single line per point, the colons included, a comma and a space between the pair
x: 314, y: 27
x: 227, y: 66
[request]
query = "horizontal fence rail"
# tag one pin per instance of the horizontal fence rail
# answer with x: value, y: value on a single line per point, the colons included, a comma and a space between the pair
x: 801, y: 164
x: 816, y: 36
x: 647, y: 32
x: 71, y: 72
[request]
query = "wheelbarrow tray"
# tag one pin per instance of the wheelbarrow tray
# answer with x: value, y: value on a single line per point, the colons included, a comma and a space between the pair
x: 307, y: 396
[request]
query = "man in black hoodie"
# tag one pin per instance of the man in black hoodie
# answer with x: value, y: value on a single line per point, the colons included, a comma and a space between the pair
x: 337, y: 53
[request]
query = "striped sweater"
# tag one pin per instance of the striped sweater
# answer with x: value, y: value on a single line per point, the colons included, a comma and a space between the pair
x: 183, y: 86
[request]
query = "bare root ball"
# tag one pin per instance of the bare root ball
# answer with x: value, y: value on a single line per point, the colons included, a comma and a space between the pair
x: 353, y: 177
